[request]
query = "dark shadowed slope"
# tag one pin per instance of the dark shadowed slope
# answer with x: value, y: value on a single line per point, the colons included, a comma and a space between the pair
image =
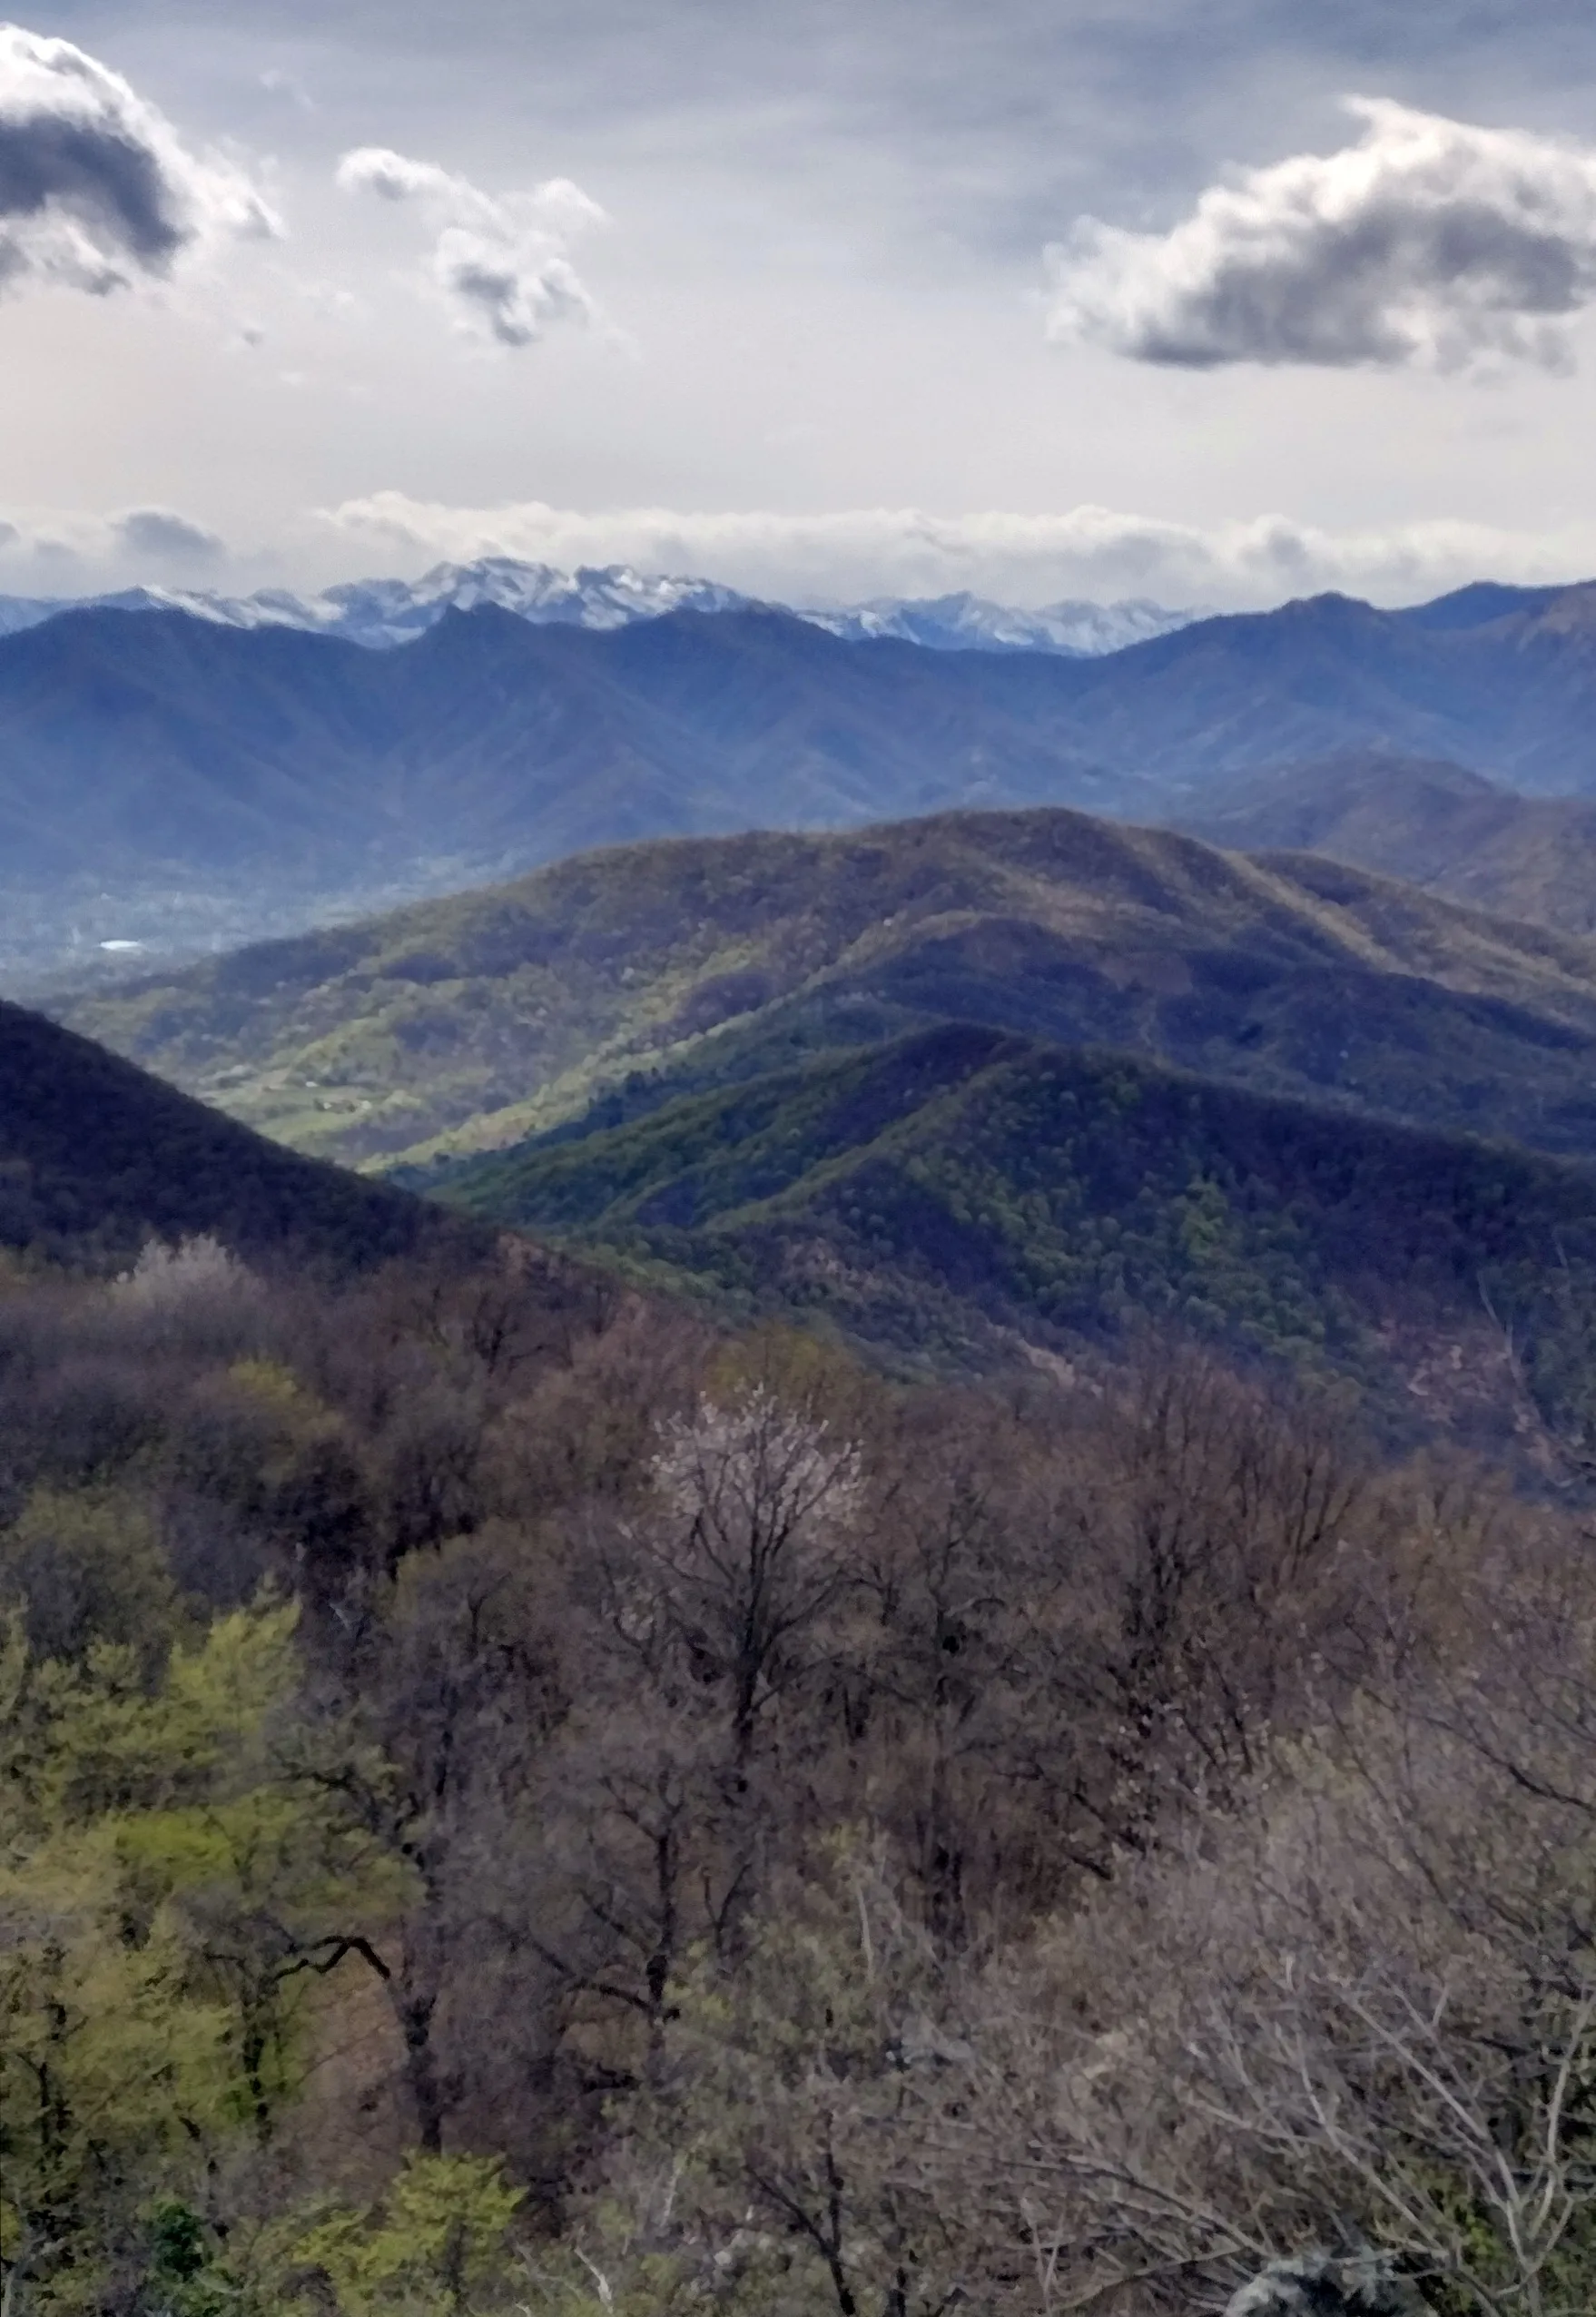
x: 467, y: 1024
x: 1450, y: 830
x: 95, y: 1157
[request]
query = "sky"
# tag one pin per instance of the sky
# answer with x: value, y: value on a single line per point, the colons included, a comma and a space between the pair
x: 1213, y: 302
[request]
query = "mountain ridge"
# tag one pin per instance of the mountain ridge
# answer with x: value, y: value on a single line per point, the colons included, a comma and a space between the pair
x: 97, y: 1155
x: 463, y: 1023
x: 1431, y: 823
x: 967, y: 1199
x: 149, y: 763
x: 383, y: 613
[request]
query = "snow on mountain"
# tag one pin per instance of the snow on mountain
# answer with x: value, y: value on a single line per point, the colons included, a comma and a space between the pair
x: 966, y: 623
x: 392, y: 611
x: 272, y: 607
x: 383, y: 613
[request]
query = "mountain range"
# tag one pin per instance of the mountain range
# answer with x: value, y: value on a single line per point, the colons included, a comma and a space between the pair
x: 383, y: 613
x: 157, y: 770
x: 965, y: 1199
x: 946, y: 1193
x: 969, y: 1088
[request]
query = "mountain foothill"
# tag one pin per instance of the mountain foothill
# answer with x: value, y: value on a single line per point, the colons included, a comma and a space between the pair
x: 967, y: 1090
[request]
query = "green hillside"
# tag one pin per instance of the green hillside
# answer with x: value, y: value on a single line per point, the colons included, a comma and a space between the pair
x: 465, y: 1025
x: 953, y: 1195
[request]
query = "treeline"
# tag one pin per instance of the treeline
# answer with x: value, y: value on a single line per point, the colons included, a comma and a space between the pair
x: 513, y: 1800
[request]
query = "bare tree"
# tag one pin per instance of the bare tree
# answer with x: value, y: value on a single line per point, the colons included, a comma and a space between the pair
x: 750, y: 1548
x: 1310, y: 2027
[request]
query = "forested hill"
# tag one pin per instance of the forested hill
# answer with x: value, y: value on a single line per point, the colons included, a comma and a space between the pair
x: 463, y: 1024
x: 96, y: 1156
x: 951, y: 1197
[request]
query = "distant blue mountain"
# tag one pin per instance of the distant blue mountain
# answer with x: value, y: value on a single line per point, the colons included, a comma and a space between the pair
x: 160, y: 753
x: 1479, y: 605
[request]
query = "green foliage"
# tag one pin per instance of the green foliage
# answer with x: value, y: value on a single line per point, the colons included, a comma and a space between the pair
x: 89, y: 1565
x: 937, y: 1195
x: 437, y: 2240
x: 656, y: 1815
x: 160, y: 1883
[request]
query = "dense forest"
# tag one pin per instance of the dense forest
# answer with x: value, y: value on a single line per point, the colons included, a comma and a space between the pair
x: 961, y: 1200
x: 517, y: 1799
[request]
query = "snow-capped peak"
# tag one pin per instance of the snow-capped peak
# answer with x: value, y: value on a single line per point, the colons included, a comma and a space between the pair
x: 969, y: 623
x: 390, y: 611
x: 383, y: 613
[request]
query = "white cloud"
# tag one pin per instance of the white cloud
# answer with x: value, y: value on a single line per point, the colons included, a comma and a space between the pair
x: 1088, y: 551
x: 1428, y: 243
x: 500, y: 262
x: 96, y: 188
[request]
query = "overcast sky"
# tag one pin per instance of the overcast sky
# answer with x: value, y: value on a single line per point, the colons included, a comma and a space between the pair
x: 1212, y: 301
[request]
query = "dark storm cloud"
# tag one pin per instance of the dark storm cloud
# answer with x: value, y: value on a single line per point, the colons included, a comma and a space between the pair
x: 987, y: 127
x: 155, y: 531
x: 95, y: 187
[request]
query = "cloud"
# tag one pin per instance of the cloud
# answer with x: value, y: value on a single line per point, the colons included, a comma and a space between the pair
x: 1426, y: 243
x: 1087, y: 551
x: 499, y: 262
x: 96, y: 188
x: 275, y: 82
x: 156, y: 532
x: 127, y: 540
